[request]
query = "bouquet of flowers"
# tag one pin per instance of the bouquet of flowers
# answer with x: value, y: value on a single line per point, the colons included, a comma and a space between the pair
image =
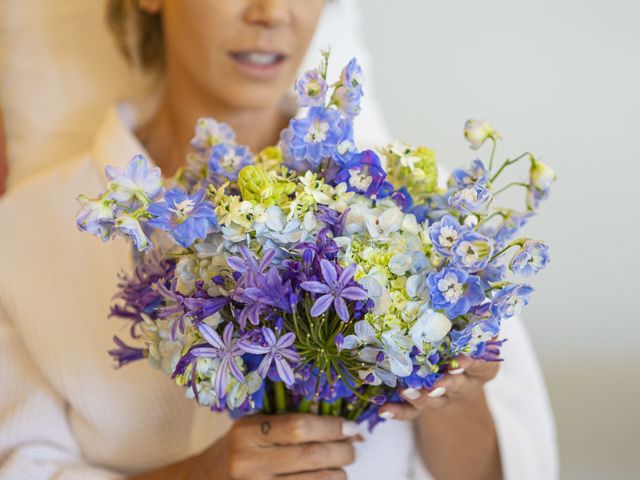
x: 313, y: 276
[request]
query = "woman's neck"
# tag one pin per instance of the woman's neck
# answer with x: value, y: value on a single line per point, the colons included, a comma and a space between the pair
x: 167, y: 135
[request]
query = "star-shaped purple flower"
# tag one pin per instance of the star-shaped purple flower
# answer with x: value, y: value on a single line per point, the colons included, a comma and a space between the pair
x: 335, y: 290
x: 226, y: 349
x: 276, y: 350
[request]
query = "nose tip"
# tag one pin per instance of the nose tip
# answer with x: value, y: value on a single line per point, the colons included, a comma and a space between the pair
x: 268, y: 13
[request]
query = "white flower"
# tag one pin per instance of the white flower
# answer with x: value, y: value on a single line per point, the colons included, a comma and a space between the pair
x: 386, y: 223
x: 364, y: 335
x: 416, y: 286
x: 400, y: 263
x: 397, y: 347
x: 431, y: 327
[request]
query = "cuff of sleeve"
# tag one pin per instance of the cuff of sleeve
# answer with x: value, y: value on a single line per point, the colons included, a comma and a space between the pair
x: 44, y: 462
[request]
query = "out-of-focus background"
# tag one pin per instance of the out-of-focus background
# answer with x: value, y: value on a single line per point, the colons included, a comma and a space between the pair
x: 561, y: 78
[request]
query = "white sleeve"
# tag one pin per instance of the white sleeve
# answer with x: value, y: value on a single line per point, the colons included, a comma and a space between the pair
x: 36, y: 442
x: 519, y: 404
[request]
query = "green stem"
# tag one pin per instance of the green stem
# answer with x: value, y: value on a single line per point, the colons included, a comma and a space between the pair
x: 280, y: 397
x: 515, y: 243
x: 325, y: 408
x: 512, y: 184
x: 493, y: 153
x: 266, y: 402
x: 337, y: 407
x: 508, y: 162
x: 304, y: 406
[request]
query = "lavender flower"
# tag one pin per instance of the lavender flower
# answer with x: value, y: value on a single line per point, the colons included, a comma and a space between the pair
x: 209, y: 133
x: 129, y: 226
x: 275, y: 350
x: 335, y: 290
x: 125, y: 354
x: 226, y: 349
x: 185, y: 217
x: 96, y: 216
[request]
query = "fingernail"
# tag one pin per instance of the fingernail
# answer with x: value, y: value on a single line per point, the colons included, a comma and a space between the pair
x: 437, y: 392
x: 457, y: 371
x: 411, y: 393
x: 349, y: 429
x: 388, y: 415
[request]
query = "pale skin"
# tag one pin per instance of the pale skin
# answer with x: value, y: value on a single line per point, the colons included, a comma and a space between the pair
x: 4, y: 164
x: 204, y: 42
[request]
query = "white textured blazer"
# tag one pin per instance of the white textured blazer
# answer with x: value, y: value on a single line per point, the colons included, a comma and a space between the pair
x: 66, y: 413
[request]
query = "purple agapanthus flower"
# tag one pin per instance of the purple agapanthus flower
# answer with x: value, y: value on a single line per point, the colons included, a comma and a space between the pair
x: 125, y: 354
x: 471, y: 200
x: 275, y: 350
x: 454, y: 291
x: 477, y: 173
x: 137, y: 183
x: 364, y: 174
x: 532, y: 257
x: 184, y: 217
x: 227, y: 349
x: 510, y: 301
x: 445, y: 233
x: 311, y: 89
x: 248, y: 264
x: 335, y: 290
x: 227, y: 160
x: 310, y: 140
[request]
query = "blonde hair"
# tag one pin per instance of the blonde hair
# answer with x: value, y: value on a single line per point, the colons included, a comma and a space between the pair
x: 138, y: 34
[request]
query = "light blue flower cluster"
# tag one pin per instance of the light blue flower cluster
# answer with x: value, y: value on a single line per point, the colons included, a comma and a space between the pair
x: 309, y: 277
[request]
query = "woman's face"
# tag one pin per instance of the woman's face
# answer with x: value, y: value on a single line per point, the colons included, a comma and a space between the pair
x: 245, y: 53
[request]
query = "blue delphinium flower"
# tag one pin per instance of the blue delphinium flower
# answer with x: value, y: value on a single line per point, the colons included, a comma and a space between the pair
x: 472, y: 251
x: 510, y: 301
x: 310, y: 140
x: 96, y: 216
x: 275, y: 350
x: 445, y: 233
x: 227, y: 160
x: 184, y: 217
x: 511, y: 225
x: 226, y: 349
x: 335, y: 290
x: 541, y: 177
x: 532, y: 257
x: 349, y: 94
x: 311, y: 89
x: 454, y: 291
x: 364, y: 174
x: 471, y: 200
x: 209, y: 132
x: 129, y: 226
x: 136, y: 184
x: 476, y: 174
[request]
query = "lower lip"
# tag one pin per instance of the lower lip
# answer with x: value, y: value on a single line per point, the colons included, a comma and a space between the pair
x: 261, y: 72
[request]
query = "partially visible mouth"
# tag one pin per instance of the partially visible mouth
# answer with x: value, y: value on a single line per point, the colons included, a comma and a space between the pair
x: 259, y: 64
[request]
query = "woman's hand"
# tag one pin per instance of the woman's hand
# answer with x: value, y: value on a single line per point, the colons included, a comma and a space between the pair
x: 454, y: 427
x: 4, y: 165
x: 458, y: 385
x: 293, y: 447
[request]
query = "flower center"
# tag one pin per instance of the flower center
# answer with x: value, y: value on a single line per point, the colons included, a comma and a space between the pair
x: 317, y: 132
x: 183, y: 209
x: 448, y: 236
x: 451, y: 288
x: 359, y: 179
